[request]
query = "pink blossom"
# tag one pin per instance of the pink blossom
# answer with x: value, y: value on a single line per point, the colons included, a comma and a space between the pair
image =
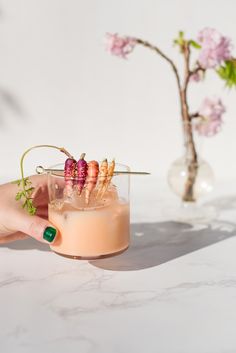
x: 210, y: 120
x: 215, y: 48
x: 119, y: 46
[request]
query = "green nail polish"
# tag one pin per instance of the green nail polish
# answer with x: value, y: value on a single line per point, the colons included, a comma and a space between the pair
x: 49, y: 234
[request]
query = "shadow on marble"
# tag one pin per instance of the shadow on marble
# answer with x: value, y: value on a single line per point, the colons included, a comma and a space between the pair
x: 156, y: 243
x: 152, y: 244
x: 26, y: 244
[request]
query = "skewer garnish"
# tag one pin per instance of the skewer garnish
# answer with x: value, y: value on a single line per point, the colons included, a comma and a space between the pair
x: 82, y: 168
x: 85, y: 175
x: 91, y: 181
x: 69, y: 174
x: 110, y: 174
x: 41, y: 170
x: 103, y: 173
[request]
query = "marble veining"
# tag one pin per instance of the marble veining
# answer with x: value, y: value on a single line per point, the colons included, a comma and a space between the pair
x: 173, y: 291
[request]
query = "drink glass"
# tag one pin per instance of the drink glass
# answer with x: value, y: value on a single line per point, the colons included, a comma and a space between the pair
x: 97, y: 230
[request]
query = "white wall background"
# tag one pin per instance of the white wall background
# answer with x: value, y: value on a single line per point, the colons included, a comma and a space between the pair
x: 59, y: 85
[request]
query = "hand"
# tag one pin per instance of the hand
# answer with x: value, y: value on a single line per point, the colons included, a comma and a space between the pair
x: 16, y: 223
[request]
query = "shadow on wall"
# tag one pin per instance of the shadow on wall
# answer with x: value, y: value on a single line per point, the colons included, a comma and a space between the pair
x: 9, y: 104
x: 8, y: 101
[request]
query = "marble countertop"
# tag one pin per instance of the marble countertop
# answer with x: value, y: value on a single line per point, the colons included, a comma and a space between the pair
x: 173, y: 291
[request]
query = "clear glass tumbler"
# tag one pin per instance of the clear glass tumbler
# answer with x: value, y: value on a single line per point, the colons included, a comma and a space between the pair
x: 97, y: 230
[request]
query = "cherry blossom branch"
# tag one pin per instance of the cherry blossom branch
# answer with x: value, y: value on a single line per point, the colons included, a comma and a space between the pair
x: 197, y: 69
x: 215, y: 53
x: 195, y: 115
x: 189, y: 141
x: 192, y: 158
x: 185, y: 108
x: 164, y: 56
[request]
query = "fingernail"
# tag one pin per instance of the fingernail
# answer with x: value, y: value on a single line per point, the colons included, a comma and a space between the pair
x: 49, y: 234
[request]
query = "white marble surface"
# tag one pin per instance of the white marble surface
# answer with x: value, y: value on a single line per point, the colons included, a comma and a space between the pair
x: 173, y: 291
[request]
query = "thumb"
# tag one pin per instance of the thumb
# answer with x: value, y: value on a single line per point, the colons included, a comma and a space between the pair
x: 37, y: 227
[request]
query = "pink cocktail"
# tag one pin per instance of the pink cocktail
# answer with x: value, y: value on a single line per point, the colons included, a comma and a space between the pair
x: 96, y: 230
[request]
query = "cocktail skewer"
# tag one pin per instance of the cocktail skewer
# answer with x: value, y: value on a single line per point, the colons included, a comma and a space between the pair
x: 41, y: 170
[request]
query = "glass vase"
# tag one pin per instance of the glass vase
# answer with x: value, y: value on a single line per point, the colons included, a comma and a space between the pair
x: 190, y: 177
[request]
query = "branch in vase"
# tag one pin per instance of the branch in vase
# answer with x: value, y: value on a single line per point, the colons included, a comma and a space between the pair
x: 197, y: 74
x: 195, y: 115
x: 186, y: 52
x: 164, y: 56
x: 191, y: 153
x: 210, y: 57
x: 192, y: 162
x: 197, y: 69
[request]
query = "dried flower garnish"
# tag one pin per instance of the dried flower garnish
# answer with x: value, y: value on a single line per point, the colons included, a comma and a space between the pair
x: 91, y: 181
x: 69, y: 173
x: 109, y: 177
x: 103, y: 173
x: 82, y: 168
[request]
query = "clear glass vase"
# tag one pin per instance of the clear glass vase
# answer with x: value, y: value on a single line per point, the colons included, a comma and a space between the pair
x: 190, y: 177
x: 177, y: 178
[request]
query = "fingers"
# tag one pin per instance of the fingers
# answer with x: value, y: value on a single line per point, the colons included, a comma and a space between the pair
x: 36, y: 227
x: 13, y: 237
x: 13, y: 218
